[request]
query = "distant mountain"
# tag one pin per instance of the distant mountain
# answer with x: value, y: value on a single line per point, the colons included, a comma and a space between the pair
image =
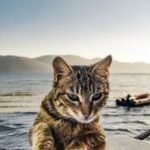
x: 72, y: 59
x: 44, y: 64
x: 124, y: 67
x: 21, y: 64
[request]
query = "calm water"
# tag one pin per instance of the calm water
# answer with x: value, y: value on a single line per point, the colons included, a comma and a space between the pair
x: 17, y: 112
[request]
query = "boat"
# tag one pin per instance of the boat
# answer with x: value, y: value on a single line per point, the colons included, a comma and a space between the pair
x: 134, y: 101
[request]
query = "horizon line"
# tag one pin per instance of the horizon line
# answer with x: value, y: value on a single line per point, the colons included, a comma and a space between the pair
x: 72, y: 55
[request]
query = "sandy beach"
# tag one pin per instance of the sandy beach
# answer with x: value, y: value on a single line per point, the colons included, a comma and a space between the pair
x: 126, y: 143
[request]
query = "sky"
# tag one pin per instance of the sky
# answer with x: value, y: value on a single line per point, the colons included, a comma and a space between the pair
x: 89, y: 28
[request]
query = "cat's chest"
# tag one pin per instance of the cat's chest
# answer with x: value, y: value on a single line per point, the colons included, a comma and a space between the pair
x: 66, y: 131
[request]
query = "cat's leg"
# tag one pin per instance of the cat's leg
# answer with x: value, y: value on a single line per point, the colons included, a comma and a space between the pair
x: 87, y: 142
x: 41, y: 137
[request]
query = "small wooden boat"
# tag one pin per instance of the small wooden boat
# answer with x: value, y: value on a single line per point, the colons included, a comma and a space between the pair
x: 134, y: 101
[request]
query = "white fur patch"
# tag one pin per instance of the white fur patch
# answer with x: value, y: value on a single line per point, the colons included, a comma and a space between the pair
x: 80, y: 117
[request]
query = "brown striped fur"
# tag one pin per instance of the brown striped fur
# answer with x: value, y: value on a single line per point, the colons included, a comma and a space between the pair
x: 69, y: 114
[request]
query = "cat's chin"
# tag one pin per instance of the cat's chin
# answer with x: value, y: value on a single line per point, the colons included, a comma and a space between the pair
x: 85, y: 121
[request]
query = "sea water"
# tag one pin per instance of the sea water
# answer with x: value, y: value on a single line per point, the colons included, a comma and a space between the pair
x: 21, y: 94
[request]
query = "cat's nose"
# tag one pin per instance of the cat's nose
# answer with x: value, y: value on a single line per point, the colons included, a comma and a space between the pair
x: 86, y: 110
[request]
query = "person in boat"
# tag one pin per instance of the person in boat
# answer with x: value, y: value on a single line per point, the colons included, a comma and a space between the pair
x: 128, y: 99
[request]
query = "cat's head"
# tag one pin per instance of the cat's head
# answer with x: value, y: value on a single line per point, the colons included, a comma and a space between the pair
x: 81, y: 91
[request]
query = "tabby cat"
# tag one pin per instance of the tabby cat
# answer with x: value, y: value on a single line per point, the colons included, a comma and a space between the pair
x: 69, y: 114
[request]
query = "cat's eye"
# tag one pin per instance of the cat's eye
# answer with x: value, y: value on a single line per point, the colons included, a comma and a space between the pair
x: 97, y: 96
x: 73, y: 97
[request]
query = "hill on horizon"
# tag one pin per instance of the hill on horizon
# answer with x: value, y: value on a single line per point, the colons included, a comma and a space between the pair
x: 44, y: 64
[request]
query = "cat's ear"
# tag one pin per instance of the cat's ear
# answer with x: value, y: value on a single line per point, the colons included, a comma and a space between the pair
x: 101, y: 68
x: 61, y: 68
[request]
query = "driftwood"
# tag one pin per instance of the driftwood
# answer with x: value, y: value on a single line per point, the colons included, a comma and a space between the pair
x: 143, y: 135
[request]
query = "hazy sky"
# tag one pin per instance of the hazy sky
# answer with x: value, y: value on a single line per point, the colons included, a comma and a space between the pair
x: 89, y: 28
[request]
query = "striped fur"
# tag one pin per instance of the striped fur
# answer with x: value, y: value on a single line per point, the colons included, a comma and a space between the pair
x: 72, y: 122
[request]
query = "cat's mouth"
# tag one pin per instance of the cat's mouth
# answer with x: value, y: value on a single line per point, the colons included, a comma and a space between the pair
x: 81, y: 118
x: 88, y: 120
